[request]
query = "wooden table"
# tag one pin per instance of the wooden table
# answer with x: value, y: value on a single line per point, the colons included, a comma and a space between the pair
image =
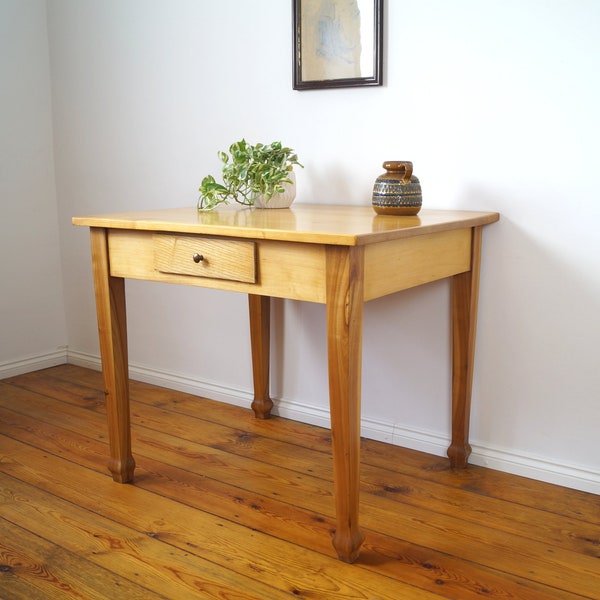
x: 341, y: 256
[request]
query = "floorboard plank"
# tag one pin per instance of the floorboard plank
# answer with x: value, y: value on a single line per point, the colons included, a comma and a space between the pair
x: 134, y: 556
x: 430, y: 532
x: 37, y: 566
x: 533, y: 522
x: 474, y: 480
x: 385, y: 555
x: 253, y: 554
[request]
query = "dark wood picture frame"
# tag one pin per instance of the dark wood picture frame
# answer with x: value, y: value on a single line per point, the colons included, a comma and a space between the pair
x: 332, y: 47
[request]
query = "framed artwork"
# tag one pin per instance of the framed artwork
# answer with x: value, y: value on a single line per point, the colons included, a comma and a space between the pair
x: 337, y: 43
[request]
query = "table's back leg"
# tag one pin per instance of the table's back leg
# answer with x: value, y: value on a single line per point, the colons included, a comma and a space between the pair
x: 260, y: 327
x: 465, y: 291
x: 112, y: 329
x: 345, y: 283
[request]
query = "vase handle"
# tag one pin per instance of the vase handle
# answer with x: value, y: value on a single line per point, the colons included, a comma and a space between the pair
x: 395, y: 166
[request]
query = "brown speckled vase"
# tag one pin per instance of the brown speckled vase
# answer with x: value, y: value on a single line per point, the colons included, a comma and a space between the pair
x: 397, y: 191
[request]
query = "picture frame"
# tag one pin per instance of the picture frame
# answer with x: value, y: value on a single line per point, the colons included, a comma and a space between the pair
x: 337, y: 43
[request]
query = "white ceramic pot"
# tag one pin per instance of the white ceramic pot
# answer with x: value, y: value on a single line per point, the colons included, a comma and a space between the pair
x: 282, y: 200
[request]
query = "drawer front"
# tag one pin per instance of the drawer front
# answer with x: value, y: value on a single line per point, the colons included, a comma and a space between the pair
x: 234, y: 260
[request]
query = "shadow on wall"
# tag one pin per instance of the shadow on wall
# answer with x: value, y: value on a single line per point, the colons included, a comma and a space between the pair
x: 406, y: 356
x: 536, y: 359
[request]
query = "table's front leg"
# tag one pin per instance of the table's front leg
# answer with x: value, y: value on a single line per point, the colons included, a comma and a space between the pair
x: 260, y: 327
x: 465, y: 290
x: 345, y: 283
x: 112, y: 329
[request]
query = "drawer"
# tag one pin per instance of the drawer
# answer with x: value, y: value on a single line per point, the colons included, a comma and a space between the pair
x: 234, y: 260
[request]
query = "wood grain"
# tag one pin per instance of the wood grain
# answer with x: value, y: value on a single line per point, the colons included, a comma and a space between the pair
x: 399, y: 253
x: 277, y: 268
x: 259, y: 308
x: 345, y: 291
x: 391, y: 266
x: 201, y: 256
x: 233, y: 507
x: 112, y: 329
x: 306, y: 223
x: 465, y: 293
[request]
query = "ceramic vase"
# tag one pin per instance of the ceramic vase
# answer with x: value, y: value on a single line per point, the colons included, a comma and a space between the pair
x: 397, y: 191
x: 283, y: 199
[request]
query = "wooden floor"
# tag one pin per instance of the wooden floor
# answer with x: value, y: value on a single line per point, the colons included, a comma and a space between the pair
x: 224, y: 506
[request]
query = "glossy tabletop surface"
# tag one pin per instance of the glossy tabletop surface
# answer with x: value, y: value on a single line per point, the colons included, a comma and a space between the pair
x: 312, y: 223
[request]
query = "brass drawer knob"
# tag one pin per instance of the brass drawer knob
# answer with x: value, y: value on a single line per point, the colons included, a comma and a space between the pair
x: 198, y: 257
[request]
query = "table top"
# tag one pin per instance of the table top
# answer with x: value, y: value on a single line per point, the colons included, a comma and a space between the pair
x: 309, y: 223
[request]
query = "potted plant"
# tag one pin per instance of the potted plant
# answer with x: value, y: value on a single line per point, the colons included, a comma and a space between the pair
x: 252, y: 175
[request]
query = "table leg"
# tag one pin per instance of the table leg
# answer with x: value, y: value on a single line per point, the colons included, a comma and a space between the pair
x: 345, y: 281
x: 112, y: 329
x: 260, y: 327
x: 465, y: 290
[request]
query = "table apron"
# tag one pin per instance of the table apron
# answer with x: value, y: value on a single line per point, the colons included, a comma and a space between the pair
x: 397, y: 265
x: 296, y: 270
x: 283, y: 269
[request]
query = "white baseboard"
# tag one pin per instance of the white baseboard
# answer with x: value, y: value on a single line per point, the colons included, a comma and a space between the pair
x: 500, y: 459
x: 568, y: 475
x: 174, y: 381
x: 35, y: 362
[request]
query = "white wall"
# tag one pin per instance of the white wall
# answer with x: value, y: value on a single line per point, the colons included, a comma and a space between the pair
x: 495, y: 103
x: 32, y: 321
